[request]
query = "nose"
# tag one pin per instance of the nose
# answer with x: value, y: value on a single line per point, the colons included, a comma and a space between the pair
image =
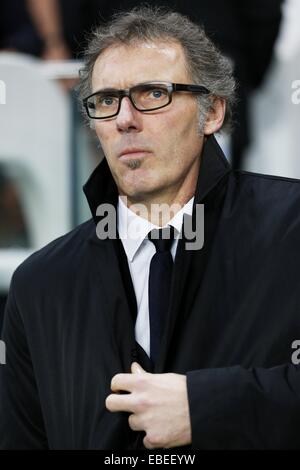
x: 129, y: 119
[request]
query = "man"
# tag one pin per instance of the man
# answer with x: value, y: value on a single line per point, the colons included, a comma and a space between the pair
x: 116, y: 342
x: 245, y: 31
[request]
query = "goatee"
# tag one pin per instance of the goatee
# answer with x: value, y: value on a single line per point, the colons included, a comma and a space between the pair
x: 134, y: 164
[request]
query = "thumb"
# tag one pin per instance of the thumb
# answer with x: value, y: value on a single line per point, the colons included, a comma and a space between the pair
x: 137, y: 369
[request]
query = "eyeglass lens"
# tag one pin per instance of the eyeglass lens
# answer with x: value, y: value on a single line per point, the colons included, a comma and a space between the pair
x: 144, y: 97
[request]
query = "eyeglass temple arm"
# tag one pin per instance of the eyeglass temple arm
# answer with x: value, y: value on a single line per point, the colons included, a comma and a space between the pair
x: 192, y: 88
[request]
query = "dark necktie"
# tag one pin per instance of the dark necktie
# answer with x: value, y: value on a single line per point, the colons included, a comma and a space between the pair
x: 160, y: 277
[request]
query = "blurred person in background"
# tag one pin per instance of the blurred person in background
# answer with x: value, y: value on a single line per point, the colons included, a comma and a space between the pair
x: 215, y: 368
x: 13, y: 231
x: 33, y: 27
x: 17, y: 31
x: 47, y: 18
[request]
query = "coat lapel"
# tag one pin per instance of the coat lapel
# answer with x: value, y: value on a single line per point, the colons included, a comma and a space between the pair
x: 114, y: 272
x: 190, y: 265
x: 116, y: 308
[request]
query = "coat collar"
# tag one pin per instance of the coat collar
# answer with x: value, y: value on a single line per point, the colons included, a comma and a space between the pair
x: 101, y: 187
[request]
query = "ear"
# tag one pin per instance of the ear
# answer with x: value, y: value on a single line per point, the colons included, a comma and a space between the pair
x: 215, y: 116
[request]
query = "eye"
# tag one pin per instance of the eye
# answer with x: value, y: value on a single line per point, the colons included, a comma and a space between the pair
x: 106, y: 100
x: 157, y: 93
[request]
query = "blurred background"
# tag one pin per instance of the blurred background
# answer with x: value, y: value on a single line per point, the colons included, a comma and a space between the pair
x: 47, y: 152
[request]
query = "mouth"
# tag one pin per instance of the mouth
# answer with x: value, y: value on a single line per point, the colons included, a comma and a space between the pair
x: 133, y: 153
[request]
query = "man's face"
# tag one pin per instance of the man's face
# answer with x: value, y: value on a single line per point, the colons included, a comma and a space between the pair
x: 151, y: 155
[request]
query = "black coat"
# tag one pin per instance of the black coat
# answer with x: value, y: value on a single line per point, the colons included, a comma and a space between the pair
x: 69, y: 324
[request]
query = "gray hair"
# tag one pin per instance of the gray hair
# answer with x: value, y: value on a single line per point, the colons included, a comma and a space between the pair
x: 205, y: 63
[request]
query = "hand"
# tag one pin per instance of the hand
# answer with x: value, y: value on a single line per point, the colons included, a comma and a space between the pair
x: 158, y: 404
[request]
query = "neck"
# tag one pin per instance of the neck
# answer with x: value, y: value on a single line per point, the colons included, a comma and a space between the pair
x: 160, y: 208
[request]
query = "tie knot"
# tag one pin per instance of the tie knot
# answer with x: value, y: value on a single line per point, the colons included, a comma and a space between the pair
x: 162, y: 238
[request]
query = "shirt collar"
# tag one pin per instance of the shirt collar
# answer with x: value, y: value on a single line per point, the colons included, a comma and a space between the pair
x: 133, y: 229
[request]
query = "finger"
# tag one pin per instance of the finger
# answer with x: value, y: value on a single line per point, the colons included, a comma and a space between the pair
x: 135, y: 423
x: 137, y: 369
x: 123, y: 382
x: 148, y: 444
x: 115, y: 402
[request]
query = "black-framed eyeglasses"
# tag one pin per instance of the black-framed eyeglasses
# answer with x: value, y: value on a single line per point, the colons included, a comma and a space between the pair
x: 144, y: 97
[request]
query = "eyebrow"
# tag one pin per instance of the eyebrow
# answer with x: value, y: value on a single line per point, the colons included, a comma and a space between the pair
x: 110, y: 89
x: 150, y: 82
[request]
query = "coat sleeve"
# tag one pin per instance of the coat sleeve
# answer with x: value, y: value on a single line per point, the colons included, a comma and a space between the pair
x: 237, y: 408
x: 21, y: 421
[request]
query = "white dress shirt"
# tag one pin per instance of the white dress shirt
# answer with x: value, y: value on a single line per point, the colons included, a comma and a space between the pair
x: 133, y: 231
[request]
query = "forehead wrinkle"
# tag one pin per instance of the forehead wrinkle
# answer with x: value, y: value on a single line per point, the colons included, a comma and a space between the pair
x: 168, y: 52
